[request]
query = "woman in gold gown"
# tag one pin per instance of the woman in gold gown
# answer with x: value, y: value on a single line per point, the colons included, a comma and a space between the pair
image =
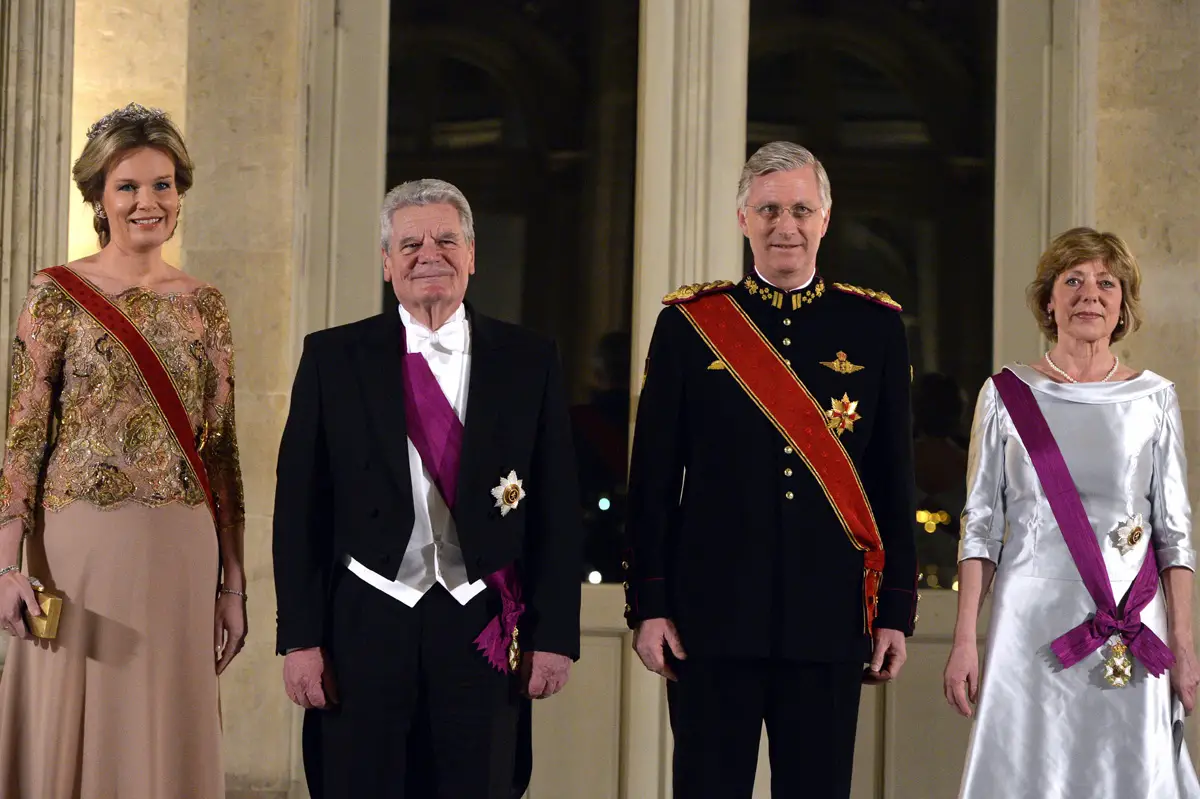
x: 96, y: 489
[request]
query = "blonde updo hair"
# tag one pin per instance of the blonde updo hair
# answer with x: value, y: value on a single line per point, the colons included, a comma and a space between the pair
x: 1080, y: 245
x: 113, y: 137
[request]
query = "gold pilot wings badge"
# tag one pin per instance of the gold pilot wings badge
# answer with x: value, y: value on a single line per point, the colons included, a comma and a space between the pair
x: 842, y: 364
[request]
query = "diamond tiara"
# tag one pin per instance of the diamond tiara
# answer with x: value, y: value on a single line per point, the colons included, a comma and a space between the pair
x: 130, y: 113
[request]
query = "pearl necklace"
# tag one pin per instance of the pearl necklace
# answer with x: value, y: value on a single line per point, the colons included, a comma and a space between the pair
x: 1069, y: 379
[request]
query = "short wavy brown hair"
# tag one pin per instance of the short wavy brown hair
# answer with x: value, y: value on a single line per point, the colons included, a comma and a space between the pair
x: 1080, y: 245
x: 114, y: 141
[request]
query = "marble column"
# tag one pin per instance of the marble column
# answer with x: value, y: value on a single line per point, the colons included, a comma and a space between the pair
x: 35, y: 112
x: 691, y: 147
x: 691, y: 124
x: 245, y: 128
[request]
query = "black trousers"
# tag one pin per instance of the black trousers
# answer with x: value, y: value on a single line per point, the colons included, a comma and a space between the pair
x: 718, y: 707
x: 422, y: 715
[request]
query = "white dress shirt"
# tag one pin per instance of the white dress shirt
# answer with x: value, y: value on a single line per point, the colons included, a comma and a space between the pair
x: 433, y: 553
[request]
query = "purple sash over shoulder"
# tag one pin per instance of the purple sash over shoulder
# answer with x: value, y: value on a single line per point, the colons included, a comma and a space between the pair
x: 437, y: 433
x: 1063, y: 496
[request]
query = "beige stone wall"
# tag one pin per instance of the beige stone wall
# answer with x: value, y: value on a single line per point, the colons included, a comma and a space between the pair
x: 1148, y: 182
x: 244, y: 107
x: 1148, y: 187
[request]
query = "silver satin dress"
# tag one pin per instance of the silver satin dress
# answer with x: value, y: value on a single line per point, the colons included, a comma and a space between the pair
x: 1041, y: 731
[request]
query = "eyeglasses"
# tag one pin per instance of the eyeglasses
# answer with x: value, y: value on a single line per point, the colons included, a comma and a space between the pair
x: 772, y: 212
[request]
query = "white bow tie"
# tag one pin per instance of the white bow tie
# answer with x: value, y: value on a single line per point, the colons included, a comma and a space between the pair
x: 449, y: 339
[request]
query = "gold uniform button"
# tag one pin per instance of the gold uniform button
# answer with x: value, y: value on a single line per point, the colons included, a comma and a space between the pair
x: 787, y: 342
x: 790, y: 495
x: 787, y: 472
x: 787, y: 322
x: 787, y: 450
x: 785, y: 360
x: 625, y: 565
x: 628, y: 609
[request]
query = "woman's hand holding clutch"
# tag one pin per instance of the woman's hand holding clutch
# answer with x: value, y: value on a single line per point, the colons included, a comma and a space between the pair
x: 961, y: 678
x: 17, y: 597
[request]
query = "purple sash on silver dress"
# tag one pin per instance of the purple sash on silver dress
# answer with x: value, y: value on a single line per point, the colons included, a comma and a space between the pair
x: 437, y: 433
x: 1110, y: 618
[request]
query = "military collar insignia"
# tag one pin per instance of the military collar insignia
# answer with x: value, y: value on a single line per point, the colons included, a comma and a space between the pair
x: 778, y: 298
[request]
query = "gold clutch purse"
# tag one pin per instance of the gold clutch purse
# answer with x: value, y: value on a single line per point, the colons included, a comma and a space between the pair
x: 46, y: 625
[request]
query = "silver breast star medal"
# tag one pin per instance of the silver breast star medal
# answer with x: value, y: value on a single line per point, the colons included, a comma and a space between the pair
x: 509, y: 493
x: 1118, y: 669
x: 1129, y: 533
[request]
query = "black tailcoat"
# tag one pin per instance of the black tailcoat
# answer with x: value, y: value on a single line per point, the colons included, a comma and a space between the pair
x: 344, y: 486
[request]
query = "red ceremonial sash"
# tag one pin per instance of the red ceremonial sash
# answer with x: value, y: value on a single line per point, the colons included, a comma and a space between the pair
x: 786, y: 401
x: 150, y: 369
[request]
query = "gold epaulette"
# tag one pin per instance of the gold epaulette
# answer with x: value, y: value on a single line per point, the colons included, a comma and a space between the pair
x: 880, y: 297
x: 694, y: 291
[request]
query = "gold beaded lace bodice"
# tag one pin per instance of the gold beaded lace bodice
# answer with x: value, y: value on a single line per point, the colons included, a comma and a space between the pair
x: 81, y: 425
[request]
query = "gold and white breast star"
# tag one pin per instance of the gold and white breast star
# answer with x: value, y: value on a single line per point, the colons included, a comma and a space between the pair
x: 842, y: 415
x: 509, y: 493
x: 1129, y: 533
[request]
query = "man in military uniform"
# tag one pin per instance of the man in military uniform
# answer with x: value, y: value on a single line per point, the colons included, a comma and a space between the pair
x: 771, y: 502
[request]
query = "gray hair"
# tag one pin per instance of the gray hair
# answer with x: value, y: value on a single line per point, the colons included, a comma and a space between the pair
x: 782, y: 156
x: 427, y: 191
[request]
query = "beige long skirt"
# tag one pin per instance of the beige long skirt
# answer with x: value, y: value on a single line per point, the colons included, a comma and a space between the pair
x: 124, y: 703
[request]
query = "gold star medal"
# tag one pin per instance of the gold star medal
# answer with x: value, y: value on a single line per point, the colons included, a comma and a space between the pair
x: 842, y: 365
x: 842, y: 415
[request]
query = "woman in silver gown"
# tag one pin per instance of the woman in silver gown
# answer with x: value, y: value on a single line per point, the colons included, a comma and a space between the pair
x: 1042, y: 730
